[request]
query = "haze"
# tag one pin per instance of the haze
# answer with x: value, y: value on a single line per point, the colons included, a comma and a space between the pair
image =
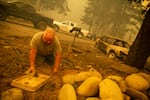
x: 76, y: 11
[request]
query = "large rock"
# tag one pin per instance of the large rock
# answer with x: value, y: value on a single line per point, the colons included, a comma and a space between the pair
x: 12, y: 94
x: 115, y: 78
x: 120, y: 81
x: 145, y: 76
x: 69, y: 79
x: 82, y: 76
x: 67, y: 92
x: 137, y: 82
x: 92, y: 98
x: 89, y: 87
x: 109, y: 90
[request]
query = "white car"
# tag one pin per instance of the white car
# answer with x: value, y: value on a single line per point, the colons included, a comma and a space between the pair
x: 145, y: 4
x: 113, y: 47
x: 64, y: 26
x: 69, y: 26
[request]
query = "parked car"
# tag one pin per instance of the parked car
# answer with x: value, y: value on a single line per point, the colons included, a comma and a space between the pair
x: 91, y: 36
x: 64, y: 25
x: 79, y: 32
x: 113, y: 47
x: 24, y: 11
x: 69, y: 26
x: 145, y: 4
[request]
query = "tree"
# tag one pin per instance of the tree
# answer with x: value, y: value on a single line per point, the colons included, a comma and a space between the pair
x: 107, y: 17
x: 140, y: 49
x: 90, y: 12
x: 60, y: 5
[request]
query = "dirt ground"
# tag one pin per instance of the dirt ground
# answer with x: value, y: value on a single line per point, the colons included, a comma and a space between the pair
x: 14, y: 59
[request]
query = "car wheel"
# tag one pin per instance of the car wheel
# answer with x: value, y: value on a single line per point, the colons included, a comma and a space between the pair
x: 56, y: 27
x: 123, y: 56
x: 80, y: 35
x: 96, y: 44
x: 112, y: 55
x: 35, y: 25
x: 42, y: 25
x: 3, y: 14
x: 93, y: 38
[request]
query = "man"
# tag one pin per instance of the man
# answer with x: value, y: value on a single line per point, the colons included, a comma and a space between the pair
x: 45, y: 45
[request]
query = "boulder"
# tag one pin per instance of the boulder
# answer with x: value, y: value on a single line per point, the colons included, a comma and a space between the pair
x: 12, y: 94
x: 145, y: 76
x: 68, y: 79
x: 67, y: 92
x: 82, y: 76
x: 89, y: 87
x: 109, y: 90
x: 120, y: 81
x: 92, y: 98
x: 137, y: 82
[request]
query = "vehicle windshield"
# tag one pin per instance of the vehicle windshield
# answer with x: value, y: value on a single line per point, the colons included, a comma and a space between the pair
x: 24, y: 6
x: 127, y: 45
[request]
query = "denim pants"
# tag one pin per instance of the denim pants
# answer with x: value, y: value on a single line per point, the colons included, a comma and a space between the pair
x: 49, y: 59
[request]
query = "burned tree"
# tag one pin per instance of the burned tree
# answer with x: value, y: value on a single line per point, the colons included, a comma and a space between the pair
x: 140, y: 50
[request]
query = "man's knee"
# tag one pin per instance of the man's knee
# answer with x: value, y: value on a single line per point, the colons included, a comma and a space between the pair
x: 39, y: 60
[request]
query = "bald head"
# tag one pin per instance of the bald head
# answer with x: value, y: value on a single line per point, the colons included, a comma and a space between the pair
x: 49, y: 35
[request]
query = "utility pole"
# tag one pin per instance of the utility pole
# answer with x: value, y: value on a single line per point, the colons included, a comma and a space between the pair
x: 76, y: 34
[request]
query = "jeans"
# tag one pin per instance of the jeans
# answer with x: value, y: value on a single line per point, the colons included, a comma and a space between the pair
x: 49, y: 59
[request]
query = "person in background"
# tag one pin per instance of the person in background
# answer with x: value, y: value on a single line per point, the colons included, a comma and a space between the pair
x: 46, y: 46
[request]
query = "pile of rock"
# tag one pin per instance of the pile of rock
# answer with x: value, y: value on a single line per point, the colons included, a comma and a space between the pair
x: 133, y: 86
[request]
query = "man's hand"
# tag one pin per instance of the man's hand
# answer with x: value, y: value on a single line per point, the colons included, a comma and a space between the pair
x: 57, y: 62
x: 30, y: 70
x: 55, y: 69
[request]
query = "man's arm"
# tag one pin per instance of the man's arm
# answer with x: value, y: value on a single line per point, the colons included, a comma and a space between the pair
x: 32, y: 59
x: 57, y: 62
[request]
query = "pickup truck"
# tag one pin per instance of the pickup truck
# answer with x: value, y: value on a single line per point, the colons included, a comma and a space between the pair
x: 24, y: 11
x: 69, y: 26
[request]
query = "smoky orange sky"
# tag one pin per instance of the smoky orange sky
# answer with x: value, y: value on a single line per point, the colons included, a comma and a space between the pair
x: 76, y: 11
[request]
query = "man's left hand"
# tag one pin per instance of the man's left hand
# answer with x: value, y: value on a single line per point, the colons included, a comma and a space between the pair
x: 56, y: 69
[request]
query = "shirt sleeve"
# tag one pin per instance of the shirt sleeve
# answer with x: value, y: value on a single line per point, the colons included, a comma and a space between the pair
x: 57, y: 45
x: 33, y: 42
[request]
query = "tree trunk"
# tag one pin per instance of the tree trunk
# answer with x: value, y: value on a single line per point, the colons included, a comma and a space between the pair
x: 140, y: 49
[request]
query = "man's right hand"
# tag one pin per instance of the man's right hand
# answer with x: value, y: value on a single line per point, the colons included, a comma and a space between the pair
x: 30, y: 70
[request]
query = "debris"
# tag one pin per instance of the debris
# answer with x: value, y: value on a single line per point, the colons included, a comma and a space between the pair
x: 76, y: 50
x: 30, y: 84
x: 136, y: 94
x: 12, y: 94
x: 78, y: 67
x: 7, y: 47
x: 19, y: 55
